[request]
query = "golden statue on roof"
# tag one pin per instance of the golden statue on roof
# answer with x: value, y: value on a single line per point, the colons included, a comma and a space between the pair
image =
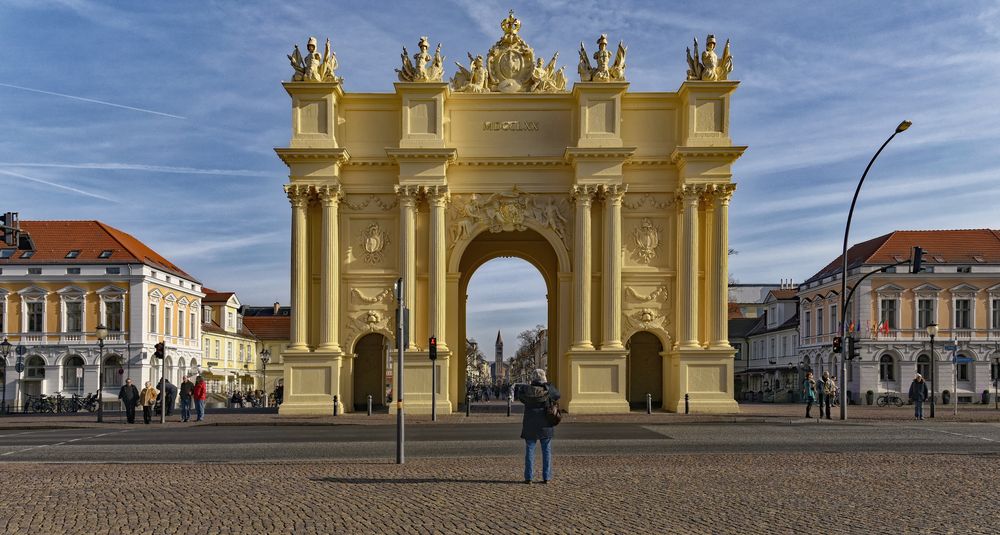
x: 509, y: 67
x: 708, y: 66
x: 424, y: 67
x: 312, y: 67
x: 605, y: 71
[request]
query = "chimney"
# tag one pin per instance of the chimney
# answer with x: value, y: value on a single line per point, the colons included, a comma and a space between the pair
x: 277, y: 306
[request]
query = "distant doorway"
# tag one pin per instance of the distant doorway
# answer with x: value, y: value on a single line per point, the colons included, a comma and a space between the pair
x: 645, y: 370
x: 369, y: 372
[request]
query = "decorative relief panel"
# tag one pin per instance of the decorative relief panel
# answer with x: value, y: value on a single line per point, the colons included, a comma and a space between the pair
x: 508, y: 211
x: 371, y: 313
x: 647, y: 201
x: 646, y: 241
x: 373, y: 242
x: 646, y: 311
x: 371, y: 203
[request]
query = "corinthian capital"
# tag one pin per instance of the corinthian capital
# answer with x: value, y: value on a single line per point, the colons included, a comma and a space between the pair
x: 298, y: 195
x: 329, y: 195
x: 613, y: 193
x: 723, y: 193
x: 407, y: 195
x: 583, y: 193
x: 436, y: 195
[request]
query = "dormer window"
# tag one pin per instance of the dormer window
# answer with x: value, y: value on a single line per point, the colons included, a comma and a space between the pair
x: 27, y: 254
x: 105, y: 253
x: 73, y: 254
x: 7, y: 253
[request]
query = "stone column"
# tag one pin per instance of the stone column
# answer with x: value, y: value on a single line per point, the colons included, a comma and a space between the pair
x: 299, y: 196
x: 408, y: 250
x: 719, y: 281
x: 329, y: 197
x: 689, y: 268
x: 437, y: 198
x: 583, y: 196
x: 612, y: 272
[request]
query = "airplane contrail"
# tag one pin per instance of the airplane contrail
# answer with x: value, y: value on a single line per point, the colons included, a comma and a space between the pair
x: 92, y: 100
x: 60, y: 186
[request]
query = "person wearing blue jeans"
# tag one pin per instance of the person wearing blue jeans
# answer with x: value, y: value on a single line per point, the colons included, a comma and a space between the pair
x: 535, y: 427
x: 918, y: 393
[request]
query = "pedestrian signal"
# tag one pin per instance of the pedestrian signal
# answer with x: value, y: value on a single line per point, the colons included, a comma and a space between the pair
x: 158, y: 354
x: 432, y: 348
x: 837, y: 347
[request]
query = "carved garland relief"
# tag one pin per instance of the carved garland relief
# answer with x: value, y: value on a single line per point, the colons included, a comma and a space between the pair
x: 508, y: 211
x: 370, y: 314
x: 648, y: 312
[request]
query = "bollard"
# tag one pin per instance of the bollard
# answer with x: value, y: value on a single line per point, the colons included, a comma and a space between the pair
x: 687, y: 404
x: 334, y: 404
x: 468, y: 405
x: 508, y: 405
x: 369, y: 404
x: 649, y: 403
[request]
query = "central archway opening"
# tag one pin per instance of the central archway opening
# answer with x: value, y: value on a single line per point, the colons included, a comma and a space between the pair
x: 509, y: 287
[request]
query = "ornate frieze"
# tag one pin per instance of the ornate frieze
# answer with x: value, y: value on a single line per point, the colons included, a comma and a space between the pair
x: 377, y: 298
x: 312, y: 67
x: 708, y: 66
x: 424, y: 67
x: 604, y: 70
x: 508, y: 211
x: 510, y: 67
x: 370, y: 203
x: 646, y: 201
x: 648, y: 312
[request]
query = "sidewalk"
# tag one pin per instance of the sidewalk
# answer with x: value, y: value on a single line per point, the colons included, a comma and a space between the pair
x: 749, y: 413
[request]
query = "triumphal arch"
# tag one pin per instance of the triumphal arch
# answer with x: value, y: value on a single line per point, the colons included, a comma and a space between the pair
x: 620, y: 199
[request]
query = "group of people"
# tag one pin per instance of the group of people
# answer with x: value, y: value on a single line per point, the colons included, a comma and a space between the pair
x: 150, y: 398
x: 488, y: 392
x: 251, y: 398
x: 825, y: 391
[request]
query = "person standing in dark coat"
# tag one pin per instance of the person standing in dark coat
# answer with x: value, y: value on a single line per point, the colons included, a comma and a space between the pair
x: 129, y: 396
x: 535, y: 426
x: 809, y: 391
x: 918, y: 393
x: 187, y: 388
x: 171, y: 392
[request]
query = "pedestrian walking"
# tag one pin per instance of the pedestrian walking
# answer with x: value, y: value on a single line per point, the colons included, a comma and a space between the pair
x: 171, y: 392
x: 187, y: 388
x: 129, y: 396
x: 148, y: 398
x: 200, y: 394
x: 535, y: 426
x: 918, y: 393
x: 829, y: 390
x: 809, y: 392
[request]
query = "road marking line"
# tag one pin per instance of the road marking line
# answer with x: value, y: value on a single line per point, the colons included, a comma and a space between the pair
x: 956, y: 434
x: 60, y: 443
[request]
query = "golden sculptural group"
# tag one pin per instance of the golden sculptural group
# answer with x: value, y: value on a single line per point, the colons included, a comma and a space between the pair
x: 510, y: 66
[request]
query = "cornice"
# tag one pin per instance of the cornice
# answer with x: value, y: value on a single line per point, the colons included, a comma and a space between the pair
x: 573, y: 154
x: 510, y: 162
x: 290, y: 156
x: 313, y: 87
x: 396, y: 154
x: 369, y: 162
x: 714, y: 153
x: 650, y: 161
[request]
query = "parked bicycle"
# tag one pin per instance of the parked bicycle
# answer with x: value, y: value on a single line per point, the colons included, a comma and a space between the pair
x: 889, y: 398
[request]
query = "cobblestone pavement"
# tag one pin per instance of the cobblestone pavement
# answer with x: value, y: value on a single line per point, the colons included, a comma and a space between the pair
x: 592, y: 494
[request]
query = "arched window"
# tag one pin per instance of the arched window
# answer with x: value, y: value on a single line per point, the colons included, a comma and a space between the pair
x: 112, y: 363
x: 73, y: 375
x: 35, y: 368
x: 924, y: 366
x: 886, y: 369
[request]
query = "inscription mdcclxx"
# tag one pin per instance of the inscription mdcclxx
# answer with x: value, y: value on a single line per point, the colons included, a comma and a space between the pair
x: 511, y: 126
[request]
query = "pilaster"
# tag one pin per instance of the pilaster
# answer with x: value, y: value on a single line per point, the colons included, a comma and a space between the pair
x: 329, y: 197
x: 437, y: 198
x: 611, y: 275
x: 689, y: 268
x: 408, y: 251
x: 583, y: 196
x: 719, y: 282
x: 298, y: 196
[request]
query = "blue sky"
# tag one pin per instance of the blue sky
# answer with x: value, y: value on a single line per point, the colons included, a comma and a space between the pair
x: 160, y: 117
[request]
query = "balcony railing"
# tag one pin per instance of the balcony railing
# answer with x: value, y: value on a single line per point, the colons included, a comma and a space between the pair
x: 914, y: 335
x: 62, y: 338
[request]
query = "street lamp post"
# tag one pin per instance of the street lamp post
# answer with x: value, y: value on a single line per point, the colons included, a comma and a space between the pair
x: 843, y: 274
x: 932, y: 329
x: 4, y: 352
x: 265, y: 357
x: 102, y: 333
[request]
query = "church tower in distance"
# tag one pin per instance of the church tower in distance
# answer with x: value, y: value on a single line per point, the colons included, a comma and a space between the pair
x: 499, y: 374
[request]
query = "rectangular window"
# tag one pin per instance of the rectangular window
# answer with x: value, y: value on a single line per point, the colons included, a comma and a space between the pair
x: 963, y: 313
x: 3, y: 316
x: 113, y: 271
x: 230, y: 324
x: 168, y: 324
x: 963, y: 372
x: 180, y: 325
x: 152, y: 317
x: 819, y: 321
x: 229, y: 351
x: 833, y: 320
x: 35, y: 317
x: 964, y: 269
x: 806, y: 320
x: 74, y: 317
x: 996, y: 314
x: 206, y: 348
x: 241, y: 352
x: 105, y: 253
x: 27, y: 254
x: 113, y: 316
x: 7, y: 253
x: 218, y: 353
x: 34, y: 271
x: 925, y: 313
x: 887, y: 312
x: 73, y: 254
x: 72, y: 271
x: 194, y: 325
x: 784, y: 346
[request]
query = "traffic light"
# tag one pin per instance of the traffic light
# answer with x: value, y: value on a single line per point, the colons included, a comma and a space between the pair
x: 837, y: 347
x: 9, y: 228
x: 432, y: 348
x: 916, y: 260
x: 853, y: 350
x: 160, y: 351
